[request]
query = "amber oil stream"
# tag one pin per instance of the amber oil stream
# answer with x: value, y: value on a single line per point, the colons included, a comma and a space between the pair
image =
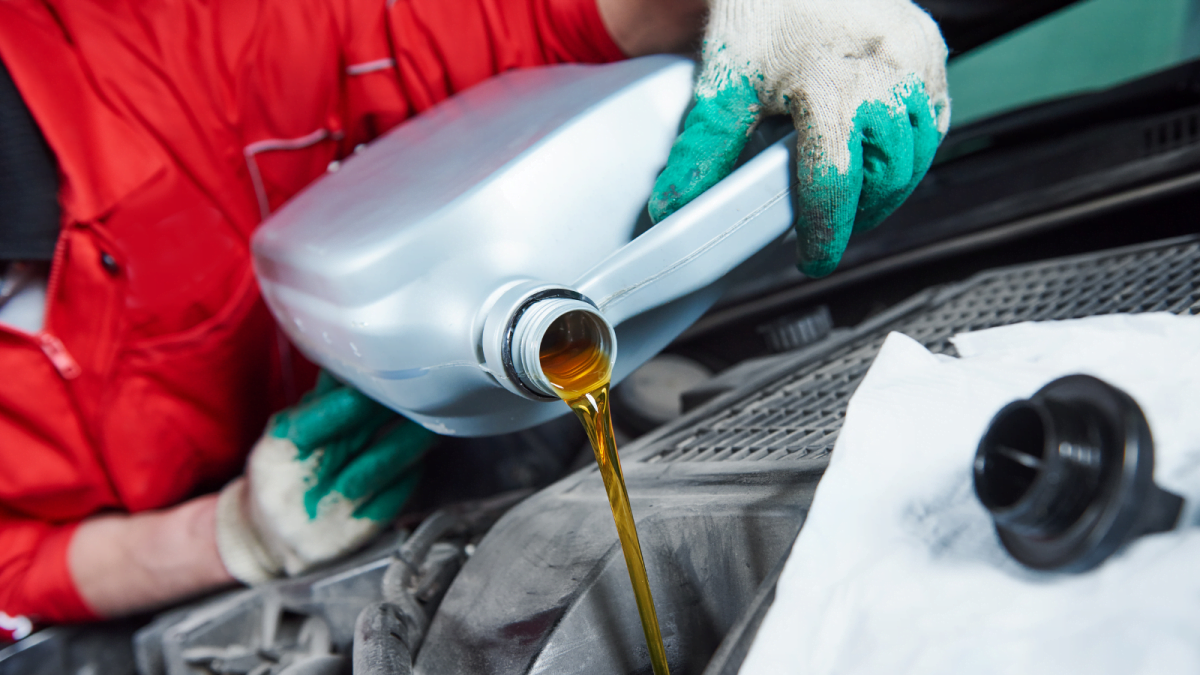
x: 579, y: 370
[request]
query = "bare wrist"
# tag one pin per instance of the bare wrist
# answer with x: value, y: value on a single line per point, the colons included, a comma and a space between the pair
x: 664, y: 26
x: 123, y: 564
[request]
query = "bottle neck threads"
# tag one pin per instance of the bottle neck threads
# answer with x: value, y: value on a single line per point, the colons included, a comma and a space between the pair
x: 564, y: 327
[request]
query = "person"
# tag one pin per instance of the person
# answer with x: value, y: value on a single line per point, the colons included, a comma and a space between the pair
x: 142, y: 143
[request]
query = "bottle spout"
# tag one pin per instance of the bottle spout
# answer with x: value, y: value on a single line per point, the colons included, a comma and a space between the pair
x: 519, y: 329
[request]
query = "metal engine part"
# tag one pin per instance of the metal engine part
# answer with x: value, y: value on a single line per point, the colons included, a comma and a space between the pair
x: 311, y: 625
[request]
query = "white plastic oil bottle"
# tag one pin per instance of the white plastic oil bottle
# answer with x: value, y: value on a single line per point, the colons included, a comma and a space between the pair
x: 427, y: 269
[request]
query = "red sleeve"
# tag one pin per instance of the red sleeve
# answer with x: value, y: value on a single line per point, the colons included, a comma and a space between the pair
x: 314, y: 78
x: 35, y: 581
x: 442, y: 47
x: 431, y: 49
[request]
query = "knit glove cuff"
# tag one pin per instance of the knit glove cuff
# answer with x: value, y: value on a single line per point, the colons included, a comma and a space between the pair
x: 242, y: 552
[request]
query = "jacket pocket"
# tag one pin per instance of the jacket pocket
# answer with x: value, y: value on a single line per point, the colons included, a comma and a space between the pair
x: 281, y: 167
x: 185, y: 408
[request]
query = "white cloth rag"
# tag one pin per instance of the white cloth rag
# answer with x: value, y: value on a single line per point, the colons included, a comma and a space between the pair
x: 898, y: 569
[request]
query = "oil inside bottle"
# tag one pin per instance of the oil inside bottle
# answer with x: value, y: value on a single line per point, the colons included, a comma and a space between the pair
x: 579, y: 370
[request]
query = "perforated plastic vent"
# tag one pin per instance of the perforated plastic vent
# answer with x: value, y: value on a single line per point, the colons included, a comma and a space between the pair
x: 799, y: 414
x: 1172, y: 133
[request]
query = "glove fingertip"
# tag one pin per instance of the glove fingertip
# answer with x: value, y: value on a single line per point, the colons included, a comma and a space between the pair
x: 815, y: 269
x: 413, y: 436
x: 926, y: 122
x: 387, y: 504
x: 398, y: 452
x: 828, y: 200
x: 714, y: 134
x: 330, y: 415
x: 819, y: 256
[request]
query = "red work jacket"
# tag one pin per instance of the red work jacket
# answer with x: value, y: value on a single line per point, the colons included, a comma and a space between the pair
x: 177, y: 126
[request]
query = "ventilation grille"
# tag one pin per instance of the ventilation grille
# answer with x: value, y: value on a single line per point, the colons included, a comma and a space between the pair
x: 801, y: 414
x: 1172, y: 133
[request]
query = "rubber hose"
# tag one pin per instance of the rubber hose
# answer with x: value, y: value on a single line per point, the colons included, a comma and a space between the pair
x: 324, y: 664
x: 412, y: 552
x: 379, y: 644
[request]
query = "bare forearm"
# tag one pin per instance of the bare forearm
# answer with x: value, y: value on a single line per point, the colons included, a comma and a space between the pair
x: 123, y: 564
x: 641, y: 27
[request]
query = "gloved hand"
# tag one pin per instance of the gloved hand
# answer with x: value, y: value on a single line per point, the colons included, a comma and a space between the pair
x: 865, y: 84
x: 326, y: 476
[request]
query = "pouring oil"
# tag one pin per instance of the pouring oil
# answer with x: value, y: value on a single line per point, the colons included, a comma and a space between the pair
x: 579, y: 370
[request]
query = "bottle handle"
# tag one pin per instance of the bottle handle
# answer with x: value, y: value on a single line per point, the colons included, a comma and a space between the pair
x: 701, y: 242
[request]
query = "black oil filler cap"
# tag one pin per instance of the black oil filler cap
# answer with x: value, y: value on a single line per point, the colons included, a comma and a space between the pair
x: 1068, y: 475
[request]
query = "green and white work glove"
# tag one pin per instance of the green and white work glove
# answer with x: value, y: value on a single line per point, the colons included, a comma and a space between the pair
x: 863, y: 80
x: 327, y: 476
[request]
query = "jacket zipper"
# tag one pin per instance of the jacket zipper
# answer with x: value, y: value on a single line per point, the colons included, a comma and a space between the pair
x: 66, y: 365
x: 52, y: 347
x: 63, y: 362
